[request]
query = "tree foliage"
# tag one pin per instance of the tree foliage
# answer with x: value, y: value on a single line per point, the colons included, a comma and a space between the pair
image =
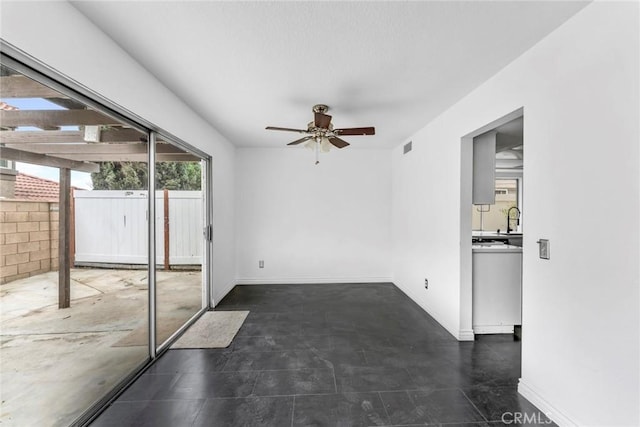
x: 133, y: 176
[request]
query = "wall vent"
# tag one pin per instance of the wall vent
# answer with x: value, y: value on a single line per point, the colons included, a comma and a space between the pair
x: 407, y: 147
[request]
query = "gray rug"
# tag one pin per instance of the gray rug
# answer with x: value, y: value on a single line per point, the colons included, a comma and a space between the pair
x: 214, y: 329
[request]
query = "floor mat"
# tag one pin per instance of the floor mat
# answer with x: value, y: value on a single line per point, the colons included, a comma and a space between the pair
x: 214, y: 329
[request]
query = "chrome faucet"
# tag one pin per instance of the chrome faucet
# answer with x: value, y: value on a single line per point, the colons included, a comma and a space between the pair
x: 509, y: 230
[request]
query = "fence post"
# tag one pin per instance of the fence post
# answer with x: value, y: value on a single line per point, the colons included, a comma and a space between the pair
x: 72, y: 229
x: 167, y: 266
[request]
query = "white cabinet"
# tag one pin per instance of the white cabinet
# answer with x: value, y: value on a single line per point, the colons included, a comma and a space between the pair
x: 497, y: 290
x: 484, y: 169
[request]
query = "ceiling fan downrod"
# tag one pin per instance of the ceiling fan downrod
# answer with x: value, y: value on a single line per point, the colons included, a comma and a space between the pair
x: 318, y: 139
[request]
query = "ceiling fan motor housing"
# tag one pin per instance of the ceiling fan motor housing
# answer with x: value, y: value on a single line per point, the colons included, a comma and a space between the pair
x: 320, y: 108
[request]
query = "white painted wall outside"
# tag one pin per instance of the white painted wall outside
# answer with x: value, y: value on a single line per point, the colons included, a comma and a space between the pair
x: 580, y: 90
x: 111, y: 227
x: 58, y: 35
x: 313, y: 223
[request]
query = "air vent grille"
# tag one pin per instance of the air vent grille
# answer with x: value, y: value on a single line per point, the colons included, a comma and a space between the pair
x: 407, y: 147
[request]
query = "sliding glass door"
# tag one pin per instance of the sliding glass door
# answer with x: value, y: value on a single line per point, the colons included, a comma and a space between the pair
x: 180, y: 243
x: 104, y: 258
x: 74, y: 287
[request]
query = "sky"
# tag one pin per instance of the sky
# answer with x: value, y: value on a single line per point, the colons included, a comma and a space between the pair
x: 78, y: 179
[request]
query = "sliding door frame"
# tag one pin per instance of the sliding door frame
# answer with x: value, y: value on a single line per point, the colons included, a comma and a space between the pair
x: 31, y: 67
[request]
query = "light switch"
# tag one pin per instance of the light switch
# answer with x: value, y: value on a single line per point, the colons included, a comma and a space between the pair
x: 543, y: 248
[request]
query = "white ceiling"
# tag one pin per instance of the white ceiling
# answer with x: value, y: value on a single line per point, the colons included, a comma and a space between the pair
x: 393, y: 65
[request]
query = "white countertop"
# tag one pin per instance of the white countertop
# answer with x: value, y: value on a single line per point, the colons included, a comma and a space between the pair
x: 496, y: 248
x: 494, y: 234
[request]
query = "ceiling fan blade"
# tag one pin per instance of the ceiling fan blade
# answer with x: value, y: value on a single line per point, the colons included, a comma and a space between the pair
x: 322, y: 120
x: 301, y: 140
x: 337, y: 142
x: 356, y: 131
x: 287, y: 129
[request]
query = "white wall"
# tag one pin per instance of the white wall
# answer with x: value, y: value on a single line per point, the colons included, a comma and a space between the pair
x: 313, y: 223
x: 56, y: 34
x: 580, y: 91
x: 579, y: 88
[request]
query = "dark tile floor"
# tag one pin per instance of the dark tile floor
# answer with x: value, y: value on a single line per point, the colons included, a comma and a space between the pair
x: 330, y: 355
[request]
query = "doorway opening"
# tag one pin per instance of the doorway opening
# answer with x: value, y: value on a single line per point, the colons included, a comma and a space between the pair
x: 492, y: 230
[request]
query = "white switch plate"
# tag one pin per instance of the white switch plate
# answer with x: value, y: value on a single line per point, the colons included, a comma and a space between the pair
x: 543, y: 248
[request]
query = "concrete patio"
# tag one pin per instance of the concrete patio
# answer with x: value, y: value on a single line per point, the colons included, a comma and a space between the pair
x: 55, y: 363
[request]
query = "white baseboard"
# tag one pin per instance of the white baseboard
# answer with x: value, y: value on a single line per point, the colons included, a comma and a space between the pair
x: 309, y: 280
x: 493, y: 329
x: 466, y: 335
x: 535, y: 397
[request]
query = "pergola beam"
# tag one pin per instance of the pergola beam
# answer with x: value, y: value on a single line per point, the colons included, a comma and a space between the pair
x: 18, y: 86
x: 44, y: 119
x: 46, y: 160
x: 130, y: 157
x: 95, y: 148
x: 100, y: 152
x: 68, y: 136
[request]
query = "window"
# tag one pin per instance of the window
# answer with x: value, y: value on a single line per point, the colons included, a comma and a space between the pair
x: 494, y: 217
x: 6, y: 164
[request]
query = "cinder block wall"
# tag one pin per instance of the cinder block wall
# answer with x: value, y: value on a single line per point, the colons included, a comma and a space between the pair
x: 28, y: 238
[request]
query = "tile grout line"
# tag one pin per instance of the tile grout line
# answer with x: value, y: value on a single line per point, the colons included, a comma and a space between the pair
x: 258, y: 370
x: 384, y: 406
x: 293, y: 410
x: 204, y: 402
x: 473, y: 404
x: 226, y: 361
x: 253, y: 389
x: 335, y: 382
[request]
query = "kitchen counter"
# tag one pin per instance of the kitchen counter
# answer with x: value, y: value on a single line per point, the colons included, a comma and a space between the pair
x: 493, y: 234
x: 493, y: 237
x: 495, y: 248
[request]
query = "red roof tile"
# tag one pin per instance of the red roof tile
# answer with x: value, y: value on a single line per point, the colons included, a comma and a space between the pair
x: 34, y: 188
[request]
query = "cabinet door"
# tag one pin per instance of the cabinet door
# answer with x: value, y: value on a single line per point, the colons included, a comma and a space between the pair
x: 484, y: 169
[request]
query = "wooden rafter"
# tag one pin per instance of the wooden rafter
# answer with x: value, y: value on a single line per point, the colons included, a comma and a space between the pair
x: 67, y: 136
x: 46, y: 160
x: 44, y: 119
x: 100, y: 152
x: 18, y: 86
x: 142, y: 158
x: 95, y: 148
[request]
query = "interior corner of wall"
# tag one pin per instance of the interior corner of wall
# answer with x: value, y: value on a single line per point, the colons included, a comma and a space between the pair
x: 219, y: 295
x: 453, y: 329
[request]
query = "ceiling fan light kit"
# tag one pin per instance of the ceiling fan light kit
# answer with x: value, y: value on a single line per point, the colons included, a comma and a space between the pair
x: 321, y: 135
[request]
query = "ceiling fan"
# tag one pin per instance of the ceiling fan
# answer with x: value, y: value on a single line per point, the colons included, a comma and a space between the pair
x: 320, y: 132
